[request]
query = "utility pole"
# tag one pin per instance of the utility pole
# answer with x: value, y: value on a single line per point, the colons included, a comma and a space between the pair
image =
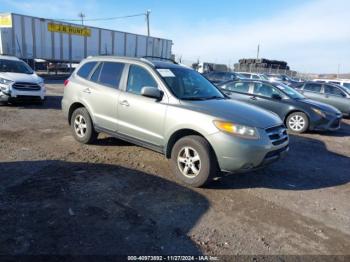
x: 338, y: 70
x: 148, y: 12
x: 82, y: 16
x: 258, y: 51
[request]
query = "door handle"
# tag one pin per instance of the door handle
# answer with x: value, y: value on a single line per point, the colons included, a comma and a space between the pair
x: 253, y: 97
x: 87, y: 90
x: 124, y: 103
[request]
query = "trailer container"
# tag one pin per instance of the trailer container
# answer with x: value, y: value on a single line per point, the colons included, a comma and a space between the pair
x: 30, y: 37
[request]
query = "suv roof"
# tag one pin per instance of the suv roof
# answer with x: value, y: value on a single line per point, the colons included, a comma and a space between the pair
x: 151, y: 61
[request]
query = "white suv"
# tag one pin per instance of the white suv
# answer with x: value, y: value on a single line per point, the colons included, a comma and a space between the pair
x: 342, y: 82
x: 19, y: 82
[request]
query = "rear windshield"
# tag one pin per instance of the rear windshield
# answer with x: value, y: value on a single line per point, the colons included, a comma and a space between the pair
x: 10, y: 66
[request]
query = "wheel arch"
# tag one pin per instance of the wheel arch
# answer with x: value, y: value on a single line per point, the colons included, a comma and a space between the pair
x: 178, y: 134
x: 75, y: 106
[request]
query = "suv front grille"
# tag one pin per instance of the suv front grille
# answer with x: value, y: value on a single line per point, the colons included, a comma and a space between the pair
x: 26, y: 86
x: 277, y: 134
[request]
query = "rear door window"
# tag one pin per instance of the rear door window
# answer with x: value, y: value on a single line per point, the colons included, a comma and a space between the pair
x: 262, y: 89
x: 332, y: 90
x: 110, y: 74
x: 242, y: 87
x: 313, y: 87
x: 86, y: 69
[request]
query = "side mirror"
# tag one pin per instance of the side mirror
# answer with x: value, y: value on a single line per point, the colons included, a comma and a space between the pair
x: 152, y: 92
x: 276, y: 96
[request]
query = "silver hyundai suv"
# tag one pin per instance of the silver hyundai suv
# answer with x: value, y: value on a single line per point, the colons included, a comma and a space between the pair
x: 174, y: 110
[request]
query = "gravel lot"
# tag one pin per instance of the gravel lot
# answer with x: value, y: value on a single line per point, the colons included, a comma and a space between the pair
x: 60, y: 197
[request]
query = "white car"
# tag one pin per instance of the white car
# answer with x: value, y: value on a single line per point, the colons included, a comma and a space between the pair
x: 254, y: 76
x: 342, y: 82
x: 19, y: 82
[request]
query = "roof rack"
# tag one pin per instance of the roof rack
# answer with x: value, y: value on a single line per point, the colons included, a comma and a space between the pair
x: 160, y: 58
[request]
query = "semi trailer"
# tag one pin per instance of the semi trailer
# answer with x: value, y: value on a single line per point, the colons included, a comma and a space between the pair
x: 29, y: 38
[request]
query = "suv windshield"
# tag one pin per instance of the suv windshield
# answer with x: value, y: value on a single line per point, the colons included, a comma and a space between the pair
x: 10, y: 66
x: 188, y: 84
x: 292, y: 93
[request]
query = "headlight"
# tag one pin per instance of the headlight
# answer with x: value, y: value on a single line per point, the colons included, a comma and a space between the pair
x: 237, y: 130
x: 41, y: 81
x: 319, y: 112
x: 4, y: 81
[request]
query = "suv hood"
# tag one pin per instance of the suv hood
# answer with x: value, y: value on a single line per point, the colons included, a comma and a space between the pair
x: 322, y: 106
x: 235, y: 111
x: 19, y: 77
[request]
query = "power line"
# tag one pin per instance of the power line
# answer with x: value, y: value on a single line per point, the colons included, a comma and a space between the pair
x: 103, y: 19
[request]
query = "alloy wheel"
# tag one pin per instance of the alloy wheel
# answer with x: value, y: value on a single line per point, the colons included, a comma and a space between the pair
x: 297, y: 123
x: 80, y: 126
x: 189, y: 162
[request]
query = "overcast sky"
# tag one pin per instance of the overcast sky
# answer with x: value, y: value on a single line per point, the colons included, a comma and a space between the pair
x: 312, y: 36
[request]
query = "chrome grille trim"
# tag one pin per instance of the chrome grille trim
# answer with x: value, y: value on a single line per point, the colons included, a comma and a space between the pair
x: 26, y: 86
x: 277, y: 134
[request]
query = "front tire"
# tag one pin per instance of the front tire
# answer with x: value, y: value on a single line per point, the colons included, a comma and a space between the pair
x: 298, y: 122
x: 193, y: 161
x: 82, y: 127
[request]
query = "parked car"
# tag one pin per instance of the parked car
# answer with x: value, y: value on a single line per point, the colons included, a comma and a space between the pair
x: 342, y: 82
x: 331, y: 94
x: 282, y: 79
x: 298, y: 113
x: 19, y: 82
x: 254, y: 76
x: 217, y: 77
x: 173, y: 110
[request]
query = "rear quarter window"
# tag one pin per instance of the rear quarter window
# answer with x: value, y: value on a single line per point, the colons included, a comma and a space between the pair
x: 85, y: 70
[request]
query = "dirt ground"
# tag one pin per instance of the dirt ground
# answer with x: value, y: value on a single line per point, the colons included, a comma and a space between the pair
x: 60, y: 197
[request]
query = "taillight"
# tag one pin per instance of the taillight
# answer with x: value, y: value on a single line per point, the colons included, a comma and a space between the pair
x: 66, y: 82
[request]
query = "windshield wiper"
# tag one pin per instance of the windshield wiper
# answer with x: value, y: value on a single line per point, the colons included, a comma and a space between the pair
x: 215, y: 97
x: 193, y: 98
x: 203, y: 98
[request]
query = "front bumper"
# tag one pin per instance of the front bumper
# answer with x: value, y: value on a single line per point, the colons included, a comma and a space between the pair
x: 329, y: 123
x: 15, y: 94
x: 236, y: 154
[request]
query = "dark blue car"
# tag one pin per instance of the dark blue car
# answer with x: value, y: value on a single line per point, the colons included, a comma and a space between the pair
x: 298, y: 113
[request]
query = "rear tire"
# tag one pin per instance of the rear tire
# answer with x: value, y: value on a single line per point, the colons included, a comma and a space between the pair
x: 193, y: 161
x: 297, y: 122
x: 82, y: 127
